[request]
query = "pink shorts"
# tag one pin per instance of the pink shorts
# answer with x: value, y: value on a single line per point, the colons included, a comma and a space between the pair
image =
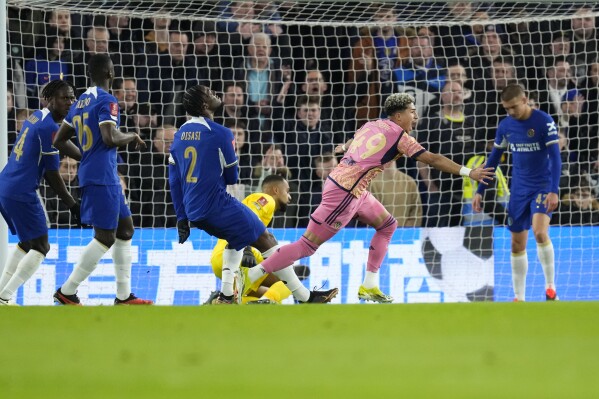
x: 338, y: 207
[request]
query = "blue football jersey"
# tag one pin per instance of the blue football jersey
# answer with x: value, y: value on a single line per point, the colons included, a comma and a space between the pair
x: 31, y: 156
x: 527, y: 140
x: 203, y: 158
x: 98, y: 161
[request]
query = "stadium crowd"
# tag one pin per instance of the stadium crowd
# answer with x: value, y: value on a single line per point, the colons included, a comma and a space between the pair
x: 291, y: 92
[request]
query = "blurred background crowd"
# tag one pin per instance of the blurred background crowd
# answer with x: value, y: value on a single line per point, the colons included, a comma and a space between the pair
x: 292, y: 91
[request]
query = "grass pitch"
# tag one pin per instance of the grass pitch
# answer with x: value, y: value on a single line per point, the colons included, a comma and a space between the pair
x: 492, y: 350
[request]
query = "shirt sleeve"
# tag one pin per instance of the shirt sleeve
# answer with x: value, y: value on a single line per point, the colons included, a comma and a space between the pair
x: 409, y: 146
x: 51, y: 157
x: 228, y: 158
x: 551, y: 136
x: 109, y: 111
x: 500, y: 139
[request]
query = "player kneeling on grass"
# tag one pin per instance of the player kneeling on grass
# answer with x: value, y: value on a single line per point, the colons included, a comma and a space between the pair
x: 345, y: 195
x: 268, y: 289
x: 32, y: 157
x: 201, y: 165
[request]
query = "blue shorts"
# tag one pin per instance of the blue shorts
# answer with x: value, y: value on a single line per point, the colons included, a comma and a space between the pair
x: 103, y: 206
x: 235, y: 223
x: 521, y: 208
x: 25, y: 219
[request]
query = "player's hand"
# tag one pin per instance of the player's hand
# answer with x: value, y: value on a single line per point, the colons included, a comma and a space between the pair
x: 483, y: 175
x: 183, y: 230
x: 477, y: 201
x: 248, y: 259
x: 76, y: 214
x: 551, y: 202
x: 339, y: 149
x: 139, y: 142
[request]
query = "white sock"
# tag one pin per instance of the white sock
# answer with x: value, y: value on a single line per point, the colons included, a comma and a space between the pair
x: 121, y: 256
x: 519, y: 270
x: 269, y: 252
x: 546, y: 255
x: 27, y: 266
x: 231, y: 261
x: 87, y: 263
x: 256, y: 272
x: 288, y: 276
x: 371, y: 280
x: 11, y: 265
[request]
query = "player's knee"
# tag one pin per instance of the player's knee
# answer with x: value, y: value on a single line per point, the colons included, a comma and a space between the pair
x: 125, y: 234
x: 388, y: 227
x: 541, y: 236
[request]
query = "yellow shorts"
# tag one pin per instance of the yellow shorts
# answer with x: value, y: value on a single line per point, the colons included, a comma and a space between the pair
x: 216, y: 260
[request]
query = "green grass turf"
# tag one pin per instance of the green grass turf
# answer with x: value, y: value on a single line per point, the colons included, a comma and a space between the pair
x: 524, y: 350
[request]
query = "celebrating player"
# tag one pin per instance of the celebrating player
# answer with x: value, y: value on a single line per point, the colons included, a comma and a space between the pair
x: 94, y: 118
x: 273, y: 197
x: 345, y: 194
x: 202, y: 164
x: 32, y: 157
x: 533, y: 140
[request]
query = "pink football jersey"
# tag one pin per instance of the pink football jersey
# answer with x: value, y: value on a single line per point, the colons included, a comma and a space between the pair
x: 375, y: 145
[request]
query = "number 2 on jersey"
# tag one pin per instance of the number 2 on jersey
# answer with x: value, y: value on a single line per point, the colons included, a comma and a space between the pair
x: 190, y: 152
x: 84, y: 133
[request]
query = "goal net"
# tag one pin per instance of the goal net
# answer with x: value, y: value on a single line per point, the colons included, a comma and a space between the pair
x: 298, y: 78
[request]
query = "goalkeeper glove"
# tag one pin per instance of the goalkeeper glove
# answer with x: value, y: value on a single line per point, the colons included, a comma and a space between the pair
x: 183, y: 230
x: 248, y: 259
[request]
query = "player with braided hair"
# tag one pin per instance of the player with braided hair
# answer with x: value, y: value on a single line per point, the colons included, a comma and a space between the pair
x: 201, y: 165
x: 32, y: 157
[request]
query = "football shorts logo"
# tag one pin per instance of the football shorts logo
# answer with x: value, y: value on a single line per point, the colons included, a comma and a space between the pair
x: 114, y: 109
x: 531, y: 133
x: 337, y: 225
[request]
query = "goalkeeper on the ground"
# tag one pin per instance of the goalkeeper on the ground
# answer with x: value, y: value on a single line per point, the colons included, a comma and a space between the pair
x: 273, y: 197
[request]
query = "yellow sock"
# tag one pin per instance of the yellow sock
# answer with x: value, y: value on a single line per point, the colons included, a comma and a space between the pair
x: 278, y: 292
x: 246, y: 299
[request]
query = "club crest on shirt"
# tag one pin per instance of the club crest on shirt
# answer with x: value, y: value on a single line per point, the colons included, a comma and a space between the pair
x: 531, y: 133
x: 337, y: 225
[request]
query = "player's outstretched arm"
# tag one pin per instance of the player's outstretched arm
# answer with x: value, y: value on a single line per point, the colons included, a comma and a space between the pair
x: 62, y: 142
x: 481, y: 174
x: 113, y: 137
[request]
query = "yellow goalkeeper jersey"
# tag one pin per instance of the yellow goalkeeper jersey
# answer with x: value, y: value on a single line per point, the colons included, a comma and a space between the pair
x: 263, y: 205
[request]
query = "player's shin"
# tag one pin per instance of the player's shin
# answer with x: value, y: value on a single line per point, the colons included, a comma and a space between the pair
x: 27, y: 266
x: 121, y: 256
x: 88, y: 261
x: 288, y: 276
x: 11, y: 266
x: 378, y: 250
x: 231, y: 261
x: 519, y: 270
x: 546, y: 256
